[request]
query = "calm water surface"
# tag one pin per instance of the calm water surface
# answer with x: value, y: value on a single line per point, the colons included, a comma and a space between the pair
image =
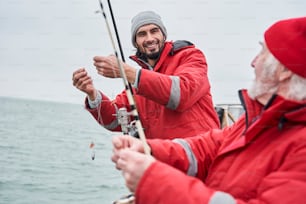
x: 45, y: 155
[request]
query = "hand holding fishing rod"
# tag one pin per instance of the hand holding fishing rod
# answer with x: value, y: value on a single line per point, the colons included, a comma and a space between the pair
x: 128, y: 153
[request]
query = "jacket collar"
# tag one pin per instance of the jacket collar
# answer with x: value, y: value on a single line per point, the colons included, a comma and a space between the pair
x: 278, y: 109
x: 278, y: 112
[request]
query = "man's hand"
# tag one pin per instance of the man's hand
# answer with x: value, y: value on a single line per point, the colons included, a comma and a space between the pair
x: 133, y: 166
x: 124, y: 142
x: 109, y: 67
x: 82, y: 81
x: 129, y: 157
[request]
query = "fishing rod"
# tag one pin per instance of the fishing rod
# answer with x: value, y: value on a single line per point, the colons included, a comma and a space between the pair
x: 117, y: 35
x: 127, y: 86
x: 116, y: 30
x: 122, y: 114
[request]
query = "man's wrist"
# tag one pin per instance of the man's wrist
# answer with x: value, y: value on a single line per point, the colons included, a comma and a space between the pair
x: 135, y: 84
x: 96, y: 102
x: 130, y: 74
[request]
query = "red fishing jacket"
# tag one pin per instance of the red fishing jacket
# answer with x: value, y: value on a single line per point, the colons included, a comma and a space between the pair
x: 173, y: 100
x: 260, y: 159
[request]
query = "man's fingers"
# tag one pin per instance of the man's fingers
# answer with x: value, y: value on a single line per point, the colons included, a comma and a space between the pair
x: 97, y: 58
x: 121, y: 163
x: 101, y: 61
x: 117, y: 143
x: 128, y: 181
x: 78, y: 71
x: 81, y: 83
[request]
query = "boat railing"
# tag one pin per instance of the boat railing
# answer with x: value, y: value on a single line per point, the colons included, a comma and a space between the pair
x: 228, y: 113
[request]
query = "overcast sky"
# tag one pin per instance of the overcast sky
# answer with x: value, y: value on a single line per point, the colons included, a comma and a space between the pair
x: 43, y: 41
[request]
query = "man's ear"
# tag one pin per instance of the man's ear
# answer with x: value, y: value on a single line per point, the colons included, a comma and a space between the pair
x: 285, y: 74
x: 164, y: 38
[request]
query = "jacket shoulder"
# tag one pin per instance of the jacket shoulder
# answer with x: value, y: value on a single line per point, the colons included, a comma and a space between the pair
x: 180, y: 45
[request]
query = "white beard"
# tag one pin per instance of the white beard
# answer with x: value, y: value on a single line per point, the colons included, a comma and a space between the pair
x: 259, y: 88
x: 267, y: 82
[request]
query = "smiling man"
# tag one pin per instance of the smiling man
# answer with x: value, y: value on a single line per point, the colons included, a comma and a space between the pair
x: 171, y: 86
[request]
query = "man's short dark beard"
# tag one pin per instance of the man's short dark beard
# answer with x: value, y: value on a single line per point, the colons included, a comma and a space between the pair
x: 152, y: 56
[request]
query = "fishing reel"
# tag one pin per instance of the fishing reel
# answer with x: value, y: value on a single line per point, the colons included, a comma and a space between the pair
x: 128, y: 127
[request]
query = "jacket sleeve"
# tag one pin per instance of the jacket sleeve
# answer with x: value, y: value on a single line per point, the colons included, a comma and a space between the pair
x: 177, y: 153
x: 166, y: 180
x: 106, y: 110
x: 284, y: 185
x: 164, y: 184
x: 179, y: 90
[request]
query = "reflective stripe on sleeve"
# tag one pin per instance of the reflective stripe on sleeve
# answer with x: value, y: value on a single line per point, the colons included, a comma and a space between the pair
x: 138, y: 73
x: 193, y: 163
x: 221, y: 197
x: 175, y: 93
x: 114, y: 124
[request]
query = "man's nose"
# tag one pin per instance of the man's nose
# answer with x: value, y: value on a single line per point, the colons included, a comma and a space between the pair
x: 254, y: 62
x: 149, y: 37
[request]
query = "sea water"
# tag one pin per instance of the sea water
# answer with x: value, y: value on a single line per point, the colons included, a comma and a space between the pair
x: 45, y: 155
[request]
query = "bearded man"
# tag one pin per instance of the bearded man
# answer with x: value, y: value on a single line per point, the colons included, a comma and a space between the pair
x: 172, y: 90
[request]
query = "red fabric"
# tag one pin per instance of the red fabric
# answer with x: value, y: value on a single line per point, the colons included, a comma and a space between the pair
x: 259, y: 161
x: 286, y: 40
x: 158, y: 194
x: 195, y: 112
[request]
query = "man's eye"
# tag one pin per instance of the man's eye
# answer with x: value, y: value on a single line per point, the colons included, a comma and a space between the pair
x: 155, y: 30
x: 140, y: 34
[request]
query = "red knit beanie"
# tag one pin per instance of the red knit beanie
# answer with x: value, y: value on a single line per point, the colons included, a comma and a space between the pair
x: 286, y: 40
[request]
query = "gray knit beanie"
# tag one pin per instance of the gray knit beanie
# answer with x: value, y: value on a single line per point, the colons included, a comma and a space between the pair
x: 144, y: 18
